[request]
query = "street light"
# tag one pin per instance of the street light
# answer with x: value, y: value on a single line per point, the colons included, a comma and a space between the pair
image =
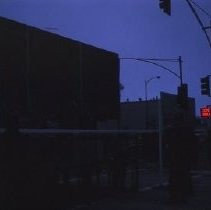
x: 155, y: 61
x: 146, y: 97
x: 146, y: 83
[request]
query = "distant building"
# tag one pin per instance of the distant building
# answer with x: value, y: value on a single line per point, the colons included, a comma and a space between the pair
x: 145, y: 114
x: 47, y: 80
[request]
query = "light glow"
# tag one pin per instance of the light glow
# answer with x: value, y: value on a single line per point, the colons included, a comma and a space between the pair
x: 205, y: 112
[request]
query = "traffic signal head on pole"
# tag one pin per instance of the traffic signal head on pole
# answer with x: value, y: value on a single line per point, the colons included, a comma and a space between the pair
x: 205, y: 86
x: 165, y: 5
x: 182, y: 96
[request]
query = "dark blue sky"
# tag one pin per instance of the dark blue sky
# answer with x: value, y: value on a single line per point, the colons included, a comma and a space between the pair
x: 131, y: 28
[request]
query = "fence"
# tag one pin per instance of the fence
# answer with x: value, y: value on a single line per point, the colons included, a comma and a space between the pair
x: 74, y: 166
x: 76, y: 153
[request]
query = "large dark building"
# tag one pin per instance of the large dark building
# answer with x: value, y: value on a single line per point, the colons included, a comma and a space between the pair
x: 47, y: 80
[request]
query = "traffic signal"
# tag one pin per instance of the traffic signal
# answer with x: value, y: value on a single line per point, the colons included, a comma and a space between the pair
x: 205, y: 86
x: 182, y: 96
x: 165, y: 5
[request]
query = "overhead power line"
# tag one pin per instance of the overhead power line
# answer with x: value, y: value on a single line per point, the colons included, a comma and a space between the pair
x: 199, y: 21
x: 203, y: 10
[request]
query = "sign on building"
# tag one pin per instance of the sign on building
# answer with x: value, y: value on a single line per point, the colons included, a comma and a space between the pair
x: 205, y: 112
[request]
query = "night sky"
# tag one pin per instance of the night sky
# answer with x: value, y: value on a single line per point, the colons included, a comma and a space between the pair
x: 131, y: 28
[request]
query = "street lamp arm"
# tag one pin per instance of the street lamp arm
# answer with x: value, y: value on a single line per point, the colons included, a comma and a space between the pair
x: 147, y: 81
x: 157, y: 64
x: 152, y: 61
x: 159, y: 59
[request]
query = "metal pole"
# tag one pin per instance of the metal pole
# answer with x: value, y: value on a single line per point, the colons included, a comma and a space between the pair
x: 146, y: 105
x: 28, y: 102
x: 180, y: 70
x: 146, y: 90
x: 81, y: 124
x: 160, y: 126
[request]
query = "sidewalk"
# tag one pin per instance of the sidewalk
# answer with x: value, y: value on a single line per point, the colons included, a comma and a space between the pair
x: 156, y: 198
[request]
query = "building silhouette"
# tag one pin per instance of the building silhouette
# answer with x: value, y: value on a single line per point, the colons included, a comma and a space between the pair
x: 135, y: 114
x: 52, y: 81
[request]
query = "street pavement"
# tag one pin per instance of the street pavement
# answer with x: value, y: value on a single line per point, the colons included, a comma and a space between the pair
x: 156, y: 198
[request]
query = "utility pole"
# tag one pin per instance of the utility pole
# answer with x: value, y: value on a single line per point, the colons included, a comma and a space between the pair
x: 146, y: 101
x: 180, y: 70
x: 182, y: 94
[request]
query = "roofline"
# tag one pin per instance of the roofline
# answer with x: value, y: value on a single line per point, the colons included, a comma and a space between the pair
x: 10, y: 21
